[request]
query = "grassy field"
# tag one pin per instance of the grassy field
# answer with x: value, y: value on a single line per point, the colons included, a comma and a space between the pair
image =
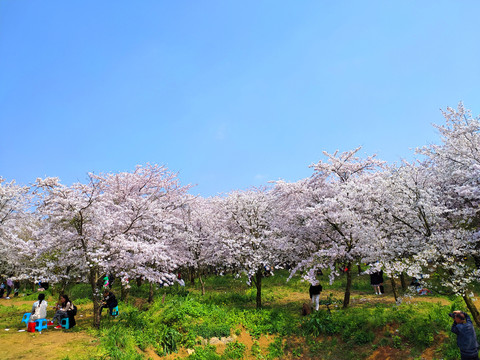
x: 224, y: 324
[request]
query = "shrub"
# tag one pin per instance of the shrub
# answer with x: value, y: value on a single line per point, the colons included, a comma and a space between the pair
x: 119, y: 343
x: 320, y: 322
x: 79, y: 291
x: 275, y: 349
x: 207, y: 330
x: 204, y: 353
x: 235, y: 350
x: 82, y: 301
x: 361, y: 337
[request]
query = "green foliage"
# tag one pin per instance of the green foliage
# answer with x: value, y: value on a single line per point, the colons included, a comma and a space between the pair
x: 204, y: 353
x: 266, y: 321
x: 234, y: 350
x: 397, y: 342
x: 232, y: 298
x: 79, y: 291
x: 449, y: 349
x: 418, y: 324
x: 119, y: 344
x: 256, y: 351
x: 147, y: 331
x: 175, y: 290
x: 11, y: 316
x: 185, y: 316
x: 275, y: 349
x: 182, y: 309
x: 423, y: 323
x: 320, y: 322
x: 208, y: 330
x: 360, y: 337
x: 34, y: 296
x: 82, y: 301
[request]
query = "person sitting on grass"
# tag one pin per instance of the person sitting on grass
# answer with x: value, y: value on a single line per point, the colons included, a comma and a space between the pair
x: 109, y: 301
x: 62, y: 307
x: 39, y: 308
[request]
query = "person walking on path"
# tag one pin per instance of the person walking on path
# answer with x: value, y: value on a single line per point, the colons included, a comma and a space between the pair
x: 376, y: 280
x: 466, y: 337
x: 315, y: 291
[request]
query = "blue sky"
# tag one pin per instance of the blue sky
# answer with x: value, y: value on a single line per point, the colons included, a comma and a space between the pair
x: 230, y: 94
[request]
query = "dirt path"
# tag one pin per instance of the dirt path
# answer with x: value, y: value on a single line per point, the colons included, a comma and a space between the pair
x: 50, y: 344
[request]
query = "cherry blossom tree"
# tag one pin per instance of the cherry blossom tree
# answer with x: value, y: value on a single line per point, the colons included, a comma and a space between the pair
x: 119, y: 223
x: 404, y: 213
x: 14, y: 216
x: 243, y: 229
x: 455, y: 166
x: 334, y: 213
x: 144, y: 209
x: 198, y: 216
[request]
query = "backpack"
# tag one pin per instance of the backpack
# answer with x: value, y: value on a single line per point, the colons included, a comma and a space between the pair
x: 306, y: 309
x: 74, y: 311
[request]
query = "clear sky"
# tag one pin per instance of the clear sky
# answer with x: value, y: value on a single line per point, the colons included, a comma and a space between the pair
x: 229, y: 94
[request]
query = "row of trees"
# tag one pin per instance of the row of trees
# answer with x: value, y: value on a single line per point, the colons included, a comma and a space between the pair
x: 419, y: 218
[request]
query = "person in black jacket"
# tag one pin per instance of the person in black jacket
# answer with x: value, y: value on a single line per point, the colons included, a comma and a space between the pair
x: 315, y: 291
x: 376, y: 280
x: 109, y: 301
x: 466, y: 337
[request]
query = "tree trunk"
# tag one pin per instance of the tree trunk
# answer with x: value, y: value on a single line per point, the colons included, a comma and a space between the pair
x: 150, y: 294
x: 93, y: 278
x: 64, y: 282
x: 139, y: 282
x: 201, y: 282
x: 476, y: 259
x: 394, y: 287
x: 473, y: 309
x: 359, y: 267
x: 403, y: 281
x: 258, y: 284
x: 123, y: 293
x: 192, y: 276
x: 53, y: 290
x: 346, y: 299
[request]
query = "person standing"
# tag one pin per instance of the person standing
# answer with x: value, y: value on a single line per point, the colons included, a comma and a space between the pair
x: 376, y: 280
x: 466, y: 337
x: 315, y: 290
x: 9, y: 287
x: 16, y: 286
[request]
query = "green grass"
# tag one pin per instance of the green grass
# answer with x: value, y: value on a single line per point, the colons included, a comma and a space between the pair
x: 185, y: 317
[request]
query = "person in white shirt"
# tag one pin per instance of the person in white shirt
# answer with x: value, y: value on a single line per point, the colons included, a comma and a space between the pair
x: 39, y: 308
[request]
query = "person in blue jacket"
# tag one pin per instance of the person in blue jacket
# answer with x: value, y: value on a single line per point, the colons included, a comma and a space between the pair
x: 466, y: 337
